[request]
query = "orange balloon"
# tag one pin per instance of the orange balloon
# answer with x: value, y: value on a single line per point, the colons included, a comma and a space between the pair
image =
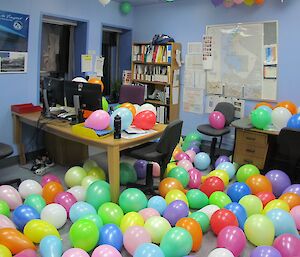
x: 130, y: 107
x: 176, y: 151
x: 260, y: 2
x: 259, y: 183
x: 50, y: 190
x: 168, y: 184
x: 97, y: 81
x: 14, y: 240
x: 263, y: 104
x: 194, y: 228
x: 288, y: 105
x: 291, y: 199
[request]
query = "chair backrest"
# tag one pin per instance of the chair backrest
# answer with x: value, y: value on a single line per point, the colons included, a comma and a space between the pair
x: 228, y: 111
x: 132, y: 94
x: 289, y: 141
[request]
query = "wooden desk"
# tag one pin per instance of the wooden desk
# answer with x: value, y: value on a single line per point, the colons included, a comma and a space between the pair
x: 64, y: 130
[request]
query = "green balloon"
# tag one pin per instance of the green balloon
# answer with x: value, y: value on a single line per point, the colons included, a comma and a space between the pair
x: 196, y: 199
x: 97, y: 194
x: 260, y: 118
x: 95, y: 218
x: 202, y: 219
x: 89, y: 164
x: 252, y: 204
x: 104, y: 104
x: 125, y: 7
x: 180, y: 174
x: 35, y: 201
x: 127, y: 173
x: 177, y: 242
x: 111, y: 213
x: 219, y: 198
x: 246, y: 171
x: 84, y: 234
x: 4, y: 208
x: 132, y: 199
x: 74, y: 176
x: 191, y: 137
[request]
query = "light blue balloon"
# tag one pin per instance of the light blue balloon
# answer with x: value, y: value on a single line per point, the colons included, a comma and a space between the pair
x: 283, y: 222
x: 158, y: 203
x: 95, y: 218
x: 266, y: 108
x: 51, y: 246
x: 148, y: 250
x: 228, y: 167
x: 126, y: 117
x: 202, y: 161
x: 80, y: 209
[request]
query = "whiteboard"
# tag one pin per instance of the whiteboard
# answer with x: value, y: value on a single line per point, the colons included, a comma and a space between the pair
x: 244, y: 60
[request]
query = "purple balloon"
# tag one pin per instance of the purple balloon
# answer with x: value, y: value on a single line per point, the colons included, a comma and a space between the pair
x: 279, y: 180
x: 288, y: 245
x: 65, y: 199
x: 265, y: 251
x: 140, y: 167
x: 222, y: 158
x: 295, y: 188
x: 175, y: 211
x: 194, y: 148
x: 217, y: 2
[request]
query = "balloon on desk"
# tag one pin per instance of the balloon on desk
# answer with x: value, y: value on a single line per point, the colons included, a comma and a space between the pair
x: 97, y: 81
x: 147, y: 107
x: 98, y: 120
x: 79, y: 79
x: 288, y: 105
x: 266, y: 108
x: 280, y: 117
x: 130, y: 107
x: 126, y: 117
x: 260, y: 118
x: 294, y: 122
x: 145, y: 120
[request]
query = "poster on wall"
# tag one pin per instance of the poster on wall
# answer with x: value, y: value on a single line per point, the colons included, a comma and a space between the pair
x: 13, y: 42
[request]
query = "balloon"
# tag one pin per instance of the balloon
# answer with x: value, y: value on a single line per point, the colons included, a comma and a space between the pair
x: 79, y: 192
x: 259, y: 230
x: 95, y: 80
x: 111, y: 213
x: 97, y: 172
x: 279, y: 181
x: 191, y: 154
x: 50, y: 190
x: 132, y: 199
x: 238, y: 190
x: 288, y: 245
x: 259, y: 183
x: 55, y: 214
x: 245, y: 172
x: 48, y: 178
x: 35, y: 201
x: 239, y: 211
x: 127, y: 173
x: 144, y: 120
x: 202, y: 219
x: 280, y: 117
x: 202, y: 161
x: 170, y: 166
x: 23, y: 214
x: 147, y: 107
x: 177, y: 151
x: 15, y: 241
x: 265, y: 197
x: 228, y: 3
x: 97, y: 194
x: 51, y: 246
x: 221, y: 219
x: 265, y: 251
x: 74, y: 176
x: 26, y: 253
x: 194, y: 229
x: 288, y: 105
x: 220, y: 199
x: 148, y: 213
x: 84, y: 234
x: 89, y: 164
x: 233, y: 239
x: 260, y: 118
x: 220, y: 252
x: 249, y: 2
x: 252, y: 204
x: 28, y: 187
x: 130, y: 107
x: 11, y: 196
x: 228, y: 167
x: 169, y: 184
x: 186, y: 164
x: 291, y: 199
x: 6, y: 222
x: 217, y: 120
x: 140, y: 167
x: 87, y: 181
x: 155, y: 170
x: 158, y: 203
x: 103, y: 2
x: 266, y: 108
x: 238, y: 1
x: 209, y: 210
x: 180, y: 174
x: 137, y: 107
x: 148, y: 250
x: 212, y: 184
x: 107, y: 251
x: 263, y: 103
x: 79, y: 210
x: 135, y: 236
x: 157, y: 227
x: 217, y: 2
x: 196, y: 199
x: 126, y: 118
x: 98, y: 120
x: 193, y: 136
x: 276, y: 204
x: 4, y: 251
x: 218, y: 173
x: 295, y: 212
x: 295, y: 188
x: 177, y: 242
x: 110, y: 234
x: 175, y: 211
x: 66, y: 200
x: 174, y: 195
x: 131, y: 219
x: 4, y: 208
x: 181, y: 156
x: 194, y: 148
x: 125, y: 7
x: 75, y: 252
x: 222, y: 158
x: 195, y: 178
x: 294, y: 122
x: 94, y: 218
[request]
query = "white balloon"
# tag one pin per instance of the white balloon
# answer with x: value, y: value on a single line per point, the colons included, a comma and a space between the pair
x: 79, y: 79
x: 209, y: 210
x: 6, y: 222
x: 280, y: 117
x: 79, y: 192
x: 104, y: 2
x: 29, y: 187
x: 220, y: 252
x: 137, y: 107
x: 298, y: 111
x: 147, y: 107
x: 55, y: 214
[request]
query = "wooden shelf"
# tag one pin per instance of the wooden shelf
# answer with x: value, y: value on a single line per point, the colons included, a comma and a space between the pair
x: 150, y: 43
x: 152, y: 63
x: 150, y: 82
x: 157, y: 102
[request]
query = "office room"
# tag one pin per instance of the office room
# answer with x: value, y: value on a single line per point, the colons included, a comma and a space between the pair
x: 149, y: 128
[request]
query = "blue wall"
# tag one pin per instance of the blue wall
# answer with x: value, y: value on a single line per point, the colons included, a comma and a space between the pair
x: 186, y: 21
x: 24, y: 88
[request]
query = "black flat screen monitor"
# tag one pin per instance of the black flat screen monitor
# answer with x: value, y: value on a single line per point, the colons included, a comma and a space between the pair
x: 53, y: 90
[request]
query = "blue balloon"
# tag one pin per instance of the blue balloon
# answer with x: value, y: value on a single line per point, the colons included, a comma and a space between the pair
x: 51, y: 246
x: 23, y: 214
x: 80, y: 209
x: 202, y: 161
x: 110, y: 234
x: 294, y: 122
x: 126, y: 117
x: 266, y: 108
x: 239, y: 211
x: 283, y: 222
x: 158, y: 203
x: 148, y: 250
x: 228, y: 167
x: 238, y: 190
x: 95, y: 218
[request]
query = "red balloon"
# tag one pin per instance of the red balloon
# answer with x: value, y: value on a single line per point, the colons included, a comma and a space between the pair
x: 221, y: 219
x: 265, y: 197
x: 212, y: 184
x: 144, y: 120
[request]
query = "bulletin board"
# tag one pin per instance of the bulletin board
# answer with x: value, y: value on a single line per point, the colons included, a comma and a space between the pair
x: 244, y: 60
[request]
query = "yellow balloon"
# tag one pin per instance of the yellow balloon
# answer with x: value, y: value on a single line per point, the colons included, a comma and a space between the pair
x: 36, y: 230
x: 131, y: 219
x: 4, y: 251
x: 176, y: 194
x: 88, y: 180
x: 170, y: 166
x: 222, y: 174
x: 249, y: 2
x: 276, y: 204
x: 97, y: 172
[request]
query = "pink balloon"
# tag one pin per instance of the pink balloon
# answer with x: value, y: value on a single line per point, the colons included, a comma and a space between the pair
x: 217, y: 120
x: 65, y: 199
x: 238, y: 1
x: 182, y: 156
x: 155, y: 169
x: 26, y: 253
x: 295, y: 212
x: 106, y: 251
x: 48, y: 178
x: 10, y: 195
x: 233, y: 239
x: 191, y: 154
x: 147, y: 213
x: 195, y: 178
x: 6, y: 222
x: 288, y: 245
x: 98, y: 120
x: 186, y: 164
x: 134, y: 237
x: 75, y: 252
x: 228, y: 3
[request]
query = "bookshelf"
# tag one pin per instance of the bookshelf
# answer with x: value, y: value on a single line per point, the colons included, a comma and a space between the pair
x: 154, y: 66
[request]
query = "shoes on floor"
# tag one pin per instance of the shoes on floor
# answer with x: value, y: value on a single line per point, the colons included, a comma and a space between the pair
x: 41, y: 164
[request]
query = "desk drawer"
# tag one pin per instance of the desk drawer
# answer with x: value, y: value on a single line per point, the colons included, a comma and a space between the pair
x: 251, y: 150
x: 251, y: 138
x: 246, y: 159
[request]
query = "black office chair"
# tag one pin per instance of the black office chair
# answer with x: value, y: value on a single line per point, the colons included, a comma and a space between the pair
x: 228, y: 111
x: 160, y: 152
x: 5, y: 151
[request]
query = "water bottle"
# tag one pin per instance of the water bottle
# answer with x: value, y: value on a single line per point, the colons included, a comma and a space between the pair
x: 117, y: 125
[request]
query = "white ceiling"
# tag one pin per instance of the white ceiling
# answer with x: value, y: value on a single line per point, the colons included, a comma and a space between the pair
x: 143, y: 2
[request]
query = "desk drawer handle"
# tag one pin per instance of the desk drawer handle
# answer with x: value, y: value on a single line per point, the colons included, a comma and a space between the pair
x: 248, y: 161
x: 251, y: 138
x: 250, y: 150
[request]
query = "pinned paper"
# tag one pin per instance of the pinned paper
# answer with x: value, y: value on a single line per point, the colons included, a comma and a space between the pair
x: 99, y: 66
x: 86, y: 63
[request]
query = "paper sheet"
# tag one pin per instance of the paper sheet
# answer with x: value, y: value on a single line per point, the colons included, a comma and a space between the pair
x: 214, y: 88
x: 233, y: 90
x: 193, y: 61
x: 86, y: 63
x: 211, y: 102
x: 270, y: 54
x: 99, y: 62
x: 270, y: 72
x: 194, y: 47
x: 207, y: 52
x: 176, y: 78
x: 194, y: 78
x: 269, y: 90
x: 178, y: 57
x: 175, y: 95
x: 193, y: 100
